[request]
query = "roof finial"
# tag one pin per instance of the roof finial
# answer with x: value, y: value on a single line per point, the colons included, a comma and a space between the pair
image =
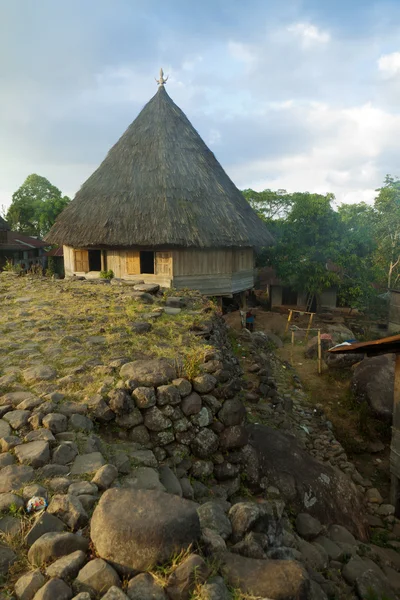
x: 161, y: 81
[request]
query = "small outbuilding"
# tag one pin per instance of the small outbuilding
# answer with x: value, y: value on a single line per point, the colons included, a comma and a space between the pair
x: 160, y: 208
x: 19, y: 249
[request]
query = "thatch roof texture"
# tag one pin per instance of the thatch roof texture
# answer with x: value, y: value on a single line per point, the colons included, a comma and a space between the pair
x: 159, y: 186
x: 4, y: 226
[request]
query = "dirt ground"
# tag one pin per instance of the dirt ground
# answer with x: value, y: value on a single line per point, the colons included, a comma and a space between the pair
x: 353, y: 424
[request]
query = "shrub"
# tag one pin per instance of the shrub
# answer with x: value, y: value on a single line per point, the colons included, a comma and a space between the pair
x: 107, y: 274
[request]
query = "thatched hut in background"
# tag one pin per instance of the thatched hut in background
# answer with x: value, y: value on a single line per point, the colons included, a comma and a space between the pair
x: 160, y: 208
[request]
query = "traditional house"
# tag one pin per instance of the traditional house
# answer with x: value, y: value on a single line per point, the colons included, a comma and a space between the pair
x: 160, y: 208
x: 19, y: 249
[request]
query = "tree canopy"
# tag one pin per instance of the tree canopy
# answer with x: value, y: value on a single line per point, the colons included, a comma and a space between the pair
x: 35, y: 206
x: 356, y: 246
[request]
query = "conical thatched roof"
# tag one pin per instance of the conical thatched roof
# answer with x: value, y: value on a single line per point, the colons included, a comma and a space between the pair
x: 4, y: 226
x: 159, y: 186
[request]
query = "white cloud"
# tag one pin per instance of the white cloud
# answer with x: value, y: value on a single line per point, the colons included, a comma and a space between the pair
x: 389, y: 64
x: 345, y: 157
x: 309, y: 34
x: 242, y: 52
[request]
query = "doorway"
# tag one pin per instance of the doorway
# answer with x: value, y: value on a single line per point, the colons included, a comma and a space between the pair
x: 94, y: 260
x: 147, y: 262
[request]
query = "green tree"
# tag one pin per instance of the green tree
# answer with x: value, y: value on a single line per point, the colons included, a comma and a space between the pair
x: 269, y: 205
x: 387, y: 232
x: 35, y: 206
x: 309, y: 240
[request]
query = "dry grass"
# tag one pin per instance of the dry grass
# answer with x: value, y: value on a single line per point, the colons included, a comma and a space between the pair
x: 16, y: 541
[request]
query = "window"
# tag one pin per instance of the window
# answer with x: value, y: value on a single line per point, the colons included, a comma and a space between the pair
x: 94, y: 260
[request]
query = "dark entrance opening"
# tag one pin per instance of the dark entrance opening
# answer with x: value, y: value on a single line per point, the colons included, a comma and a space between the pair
x: 94, y: 260
x: 289, y: 296
x: 147, y: 262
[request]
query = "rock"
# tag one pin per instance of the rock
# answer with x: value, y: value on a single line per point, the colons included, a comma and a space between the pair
x: 13, y: 477
x: 80, y: 423
x: 313, y: 556
x: 233, y: 437
x: 169, y: 395
x: 27, y: 585
x: 9, y: 442
x: 105, y: 476
x: 339, y: 333
x: 149, y: 372
x: 385, y: 510
x: 144, y: 397
x: 49, y: 471
x: 87, y: 501
x: 155, y: 420
x: 65, y: 453
x: 129, y: 420
x: 44, y: 523
x: 212, y: 541
x: 82, y: 596
x: 372, y: 495
x: 140, y: 435
x: 144, y: 478
x: 96, y: 577
x: 232, y: 412
x: 100, y: 409
x: 251, y: 548
x: 311, y: 350
x: 203, y: 418
x: 137, y: 529
x: 17, y: 418
x: 9, y: 500
x: 59, y: 485
x: 183, y: 385
x: 55, y: 422
x: 202, y: 468
x: 55, y: 588
x: 333, y: 551
x: 39, y: 373
x: 214, y: 589
x: 307, y: 527
x: 191, y: 572
x: 145, y: 586
x: 120, y: 402
x: 51, y: 546
x: 212, y: 517
x: 243, y: 516
x: 40, y: 434
x: 67, y: 567
x: 356, y: 567
x: 86, y: 464
x: 143, y: 458
x: 7, y: 558
x: 340, y: 534
x: 6, y: 459
x: 115, y: 593
x: 69, y: 509
x: 274, y: 579
x: 35, y: 454
x: 5, y: 429
x: 226, y: 471
x: 10, y: 525
x: 205, y: 443
x: 305, y: 483
x: 191, y: 404
x: 150, y: 288
x: 204, y: 384
x: 371, y: 583
x: 141, y: 327
x: 169, y: 310
x: 345, y: 360
x: 373, y: 382
x: 170, y: 481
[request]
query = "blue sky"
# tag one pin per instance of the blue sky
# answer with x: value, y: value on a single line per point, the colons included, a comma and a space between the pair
x: 301, y: 95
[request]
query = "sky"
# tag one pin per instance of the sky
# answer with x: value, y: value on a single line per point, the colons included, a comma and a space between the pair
x: 302, y: 95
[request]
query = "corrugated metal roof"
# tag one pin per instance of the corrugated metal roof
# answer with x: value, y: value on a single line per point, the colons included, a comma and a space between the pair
x: 383, y: 346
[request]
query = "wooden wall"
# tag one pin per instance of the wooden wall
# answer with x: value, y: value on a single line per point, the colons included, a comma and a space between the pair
x: 213, y: 272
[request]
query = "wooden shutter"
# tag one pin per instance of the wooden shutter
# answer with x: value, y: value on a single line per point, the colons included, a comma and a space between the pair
x: 133, y: 263
x: 81, y: 261
x: 163, y: 263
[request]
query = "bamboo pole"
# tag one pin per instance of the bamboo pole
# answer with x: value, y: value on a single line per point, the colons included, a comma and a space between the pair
x: 309, y: 325
x: 319, y: 353
x: 288, y: 321
x: 291, y: 349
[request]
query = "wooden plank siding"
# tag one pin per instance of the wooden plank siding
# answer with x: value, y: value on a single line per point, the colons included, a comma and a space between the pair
x: 69, y: 263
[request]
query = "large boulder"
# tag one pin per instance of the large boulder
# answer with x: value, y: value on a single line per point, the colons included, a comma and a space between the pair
x: 149, y: 373
x: 274, y: 579
x: 339, y: 333
x: 136, y: 529
x: 373, y: 382
x: 342, y: 360
x: 307, y: 485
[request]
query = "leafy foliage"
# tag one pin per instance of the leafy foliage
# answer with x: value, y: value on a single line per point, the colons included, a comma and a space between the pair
x: 35, y: 206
